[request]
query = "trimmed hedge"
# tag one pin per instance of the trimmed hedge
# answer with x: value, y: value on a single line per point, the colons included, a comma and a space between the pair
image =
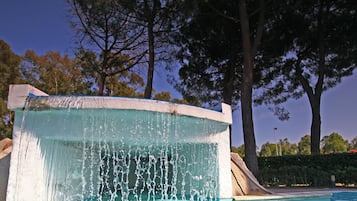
x: 313, y: 170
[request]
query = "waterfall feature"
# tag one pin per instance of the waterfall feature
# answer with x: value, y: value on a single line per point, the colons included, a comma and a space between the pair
x: 65, y: 150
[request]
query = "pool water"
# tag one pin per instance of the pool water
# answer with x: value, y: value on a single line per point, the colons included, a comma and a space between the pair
x: 317, y: 198
x: 147, y: 198
x: 344, y: 196
x: 337, y: 196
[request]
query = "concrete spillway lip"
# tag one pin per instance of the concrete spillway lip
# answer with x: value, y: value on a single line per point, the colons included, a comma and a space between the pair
x: 19, y: 93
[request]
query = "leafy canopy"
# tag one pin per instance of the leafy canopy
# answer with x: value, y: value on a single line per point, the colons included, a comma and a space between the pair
x: 9, y: 74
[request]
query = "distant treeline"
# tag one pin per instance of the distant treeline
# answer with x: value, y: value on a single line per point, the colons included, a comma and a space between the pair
x: 333, y: 143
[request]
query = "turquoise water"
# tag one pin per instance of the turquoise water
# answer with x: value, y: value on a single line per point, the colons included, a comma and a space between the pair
x: 113, y: 154
x: 337, y: 196
x: 319, y: 198
x: 344, y: 196
x: 147, y: 198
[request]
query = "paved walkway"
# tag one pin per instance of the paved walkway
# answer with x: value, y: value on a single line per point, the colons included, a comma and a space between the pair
x: 296, y: 193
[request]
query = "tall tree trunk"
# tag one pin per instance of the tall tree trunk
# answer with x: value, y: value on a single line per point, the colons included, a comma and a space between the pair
x: 228, y: 91
x: 150, y: 73
x: 246, y: 92
x: 228, y: 84
x: 314, y: 96
x: 101, y: 84
x: 315, y: 126
x: 315, y: 101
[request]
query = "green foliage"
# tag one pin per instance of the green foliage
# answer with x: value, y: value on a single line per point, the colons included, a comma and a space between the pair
x: 210, y: 54
x: 5, y: 121
x: 212, y: 41
x: 294, y: 175
x: 53, y: 73
x: 99, y: 69
x: 313, y: 170
x: 9, y: 74
x: 310, y: 55
x: 353, y: 144
x: 269, y: 149
x: 304, y: 145
x: 239, y: 150
x: 191, y: 100
x: 9, y: 68
x: 124, y: 85
x: 297, y: 56
x: 165, y: 96
x: 284, y: 147
x: 333, y: 143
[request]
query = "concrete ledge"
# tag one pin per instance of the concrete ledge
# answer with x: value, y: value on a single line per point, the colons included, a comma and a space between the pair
x: 18, y: 94
x: 102, y: 102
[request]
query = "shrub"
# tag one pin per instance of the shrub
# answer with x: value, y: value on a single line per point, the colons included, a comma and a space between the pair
x: 313, y: 170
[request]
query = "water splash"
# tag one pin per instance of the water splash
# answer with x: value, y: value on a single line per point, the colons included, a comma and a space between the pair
x: 112, y: 154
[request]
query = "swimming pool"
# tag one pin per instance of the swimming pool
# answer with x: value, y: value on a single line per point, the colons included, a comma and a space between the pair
x: 329, y: 196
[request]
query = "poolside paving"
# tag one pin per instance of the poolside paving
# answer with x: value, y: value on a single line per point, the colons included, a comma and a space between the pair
x: 295, y: 193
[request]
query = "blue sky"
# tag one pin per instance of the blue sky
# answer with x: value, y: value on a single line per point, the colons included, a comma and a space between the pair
x: 43, y: 25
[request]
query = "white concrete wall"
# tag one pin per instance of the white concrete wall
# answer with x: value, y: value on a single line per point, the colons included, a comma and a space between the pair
x: 224, y: 165
x: 26, y: 182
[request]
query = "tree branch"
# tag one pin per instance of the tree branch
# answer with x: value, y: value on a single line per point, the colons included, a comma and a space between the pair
x: 260, y: 27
